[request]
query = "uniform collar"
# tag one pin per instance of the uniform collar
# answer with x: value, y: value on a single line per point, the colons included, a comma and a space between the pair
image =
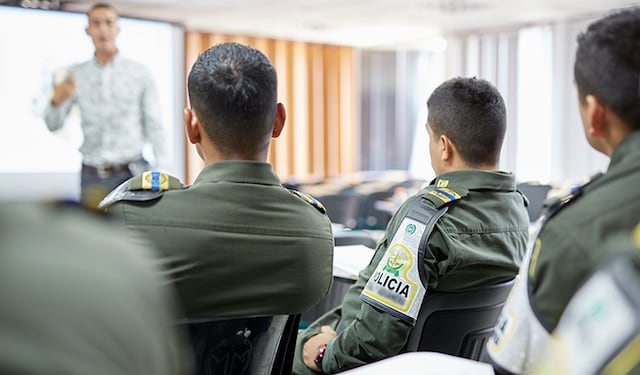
x: 242, y: 171
x: 627, y: 149
x: 477, y: 180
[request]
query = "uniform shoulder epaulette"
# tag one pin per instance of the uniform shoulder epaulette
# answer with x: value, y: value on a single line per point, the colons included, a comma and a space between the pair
x: 145, y: 187
x: 554, y: 204
x: 443, y: 193
x: 311, y: 200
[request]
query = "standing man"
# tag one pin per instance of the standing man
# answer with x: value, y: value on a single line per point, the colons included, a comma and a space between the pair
x: 235, y: 243
x: 470, y: 223
x: 119, y: 110
x: 570, y: 242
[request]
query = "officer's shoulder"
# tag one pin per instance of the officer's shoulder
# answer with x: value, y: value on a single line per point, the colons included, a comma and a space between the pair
x: 148, y: 186
x: 310, y: 200
x: 562, y: 199
x: 442, y: 192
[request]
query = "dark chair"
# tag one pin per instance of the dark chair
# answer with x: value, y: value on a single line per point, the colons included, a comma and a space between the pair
x: 262, y: 345
x: 371, y: 217
x: 342, y: 208
x: 458, y: 323
x: 343, y: 237
x: 536, y: 194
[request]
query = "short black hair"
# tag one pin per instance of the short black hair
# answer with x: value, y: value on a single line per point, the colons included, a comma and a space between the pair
x: 607, y: 63
x: 472, y: 114
x: 233, y: 91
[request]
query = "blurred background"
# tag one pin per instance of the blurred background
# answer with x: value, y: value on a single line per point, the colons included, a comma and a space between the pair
x: 354, y: 77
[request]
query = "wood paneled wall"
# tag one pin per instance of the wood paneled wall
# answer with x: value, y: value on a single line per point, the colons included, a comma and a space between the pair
x: 317, y: 85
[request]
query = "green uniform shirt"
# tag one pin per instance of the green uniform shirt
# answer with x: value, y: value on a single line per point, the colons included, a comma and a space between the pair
x: 80, y: 296
x: 479, y: 241
x: 237, y: 243
x: 571, y: 243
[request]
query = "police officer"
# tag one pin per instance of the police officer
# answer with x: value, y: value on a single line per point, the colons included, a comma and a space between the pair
x: 569, y: 244
x: 471, y: 217
x: 80, y: 296
x: 598, y: 331
x: 235, y: 242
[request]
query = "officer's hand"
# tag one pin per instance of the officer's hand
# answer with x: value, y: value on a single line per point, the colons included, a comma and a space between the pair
x: 311, y: 346
x: 63, y: 90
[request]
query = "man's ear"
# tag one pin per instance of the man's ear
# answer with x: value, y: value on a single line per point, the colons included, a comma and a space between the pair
x: 192, y: 126
x: 448, y: 148
x: 278, y: 124
x: 595, y: 115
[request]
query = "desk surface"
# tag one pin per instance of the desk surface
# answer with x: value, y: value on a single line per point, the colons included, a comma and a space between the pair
x: 424, y: 363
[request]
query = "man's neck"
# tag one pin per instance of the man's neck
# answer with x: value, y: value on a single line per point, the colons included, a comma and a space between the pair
x: 105, y: 56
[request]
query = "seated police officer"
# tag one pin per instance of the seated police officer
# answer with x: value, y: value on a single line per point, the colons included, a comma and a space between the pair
x: 569, y: 243
x: 599, y: 330
x: 470, y: 224
x: 235, y: 243
x: 80, y: 296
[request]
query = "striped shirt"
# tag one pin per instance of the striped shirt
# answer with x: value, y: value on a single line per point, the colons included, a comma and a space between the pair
x: 119, y: 109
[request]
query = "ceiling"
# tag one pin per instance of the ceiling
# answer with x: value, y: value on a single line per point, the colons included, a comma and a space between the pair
x: 360, y: 23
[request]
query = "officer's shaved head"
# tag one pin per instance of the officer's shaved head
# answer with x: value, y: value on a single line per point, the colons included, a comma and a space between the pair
x: 472, y: 114
x: 233, y: 90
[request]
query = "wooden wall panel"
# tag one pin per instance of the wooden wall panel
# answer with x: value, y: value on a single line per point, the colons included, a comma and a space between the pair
x: 317, y: 86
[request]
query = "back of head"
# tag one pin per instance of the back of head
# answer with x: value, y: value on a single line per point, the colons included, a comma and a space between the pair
x: 607, y: 64
x: 233, y: 91
x: 472, y: 114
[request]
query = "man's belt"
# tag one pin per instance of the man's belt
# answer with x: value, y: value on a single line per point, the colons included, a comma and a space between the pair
x: 106, y: 170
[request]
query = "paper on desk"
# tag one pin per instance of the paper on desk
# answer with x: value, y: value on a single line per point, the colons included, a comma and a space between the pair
x: 424, y: 363
x: 348, y: 261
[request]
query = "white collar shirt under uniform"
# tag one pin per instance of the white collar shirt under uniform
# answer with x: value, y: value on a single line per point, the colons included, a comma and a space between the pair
x: 119, y: 109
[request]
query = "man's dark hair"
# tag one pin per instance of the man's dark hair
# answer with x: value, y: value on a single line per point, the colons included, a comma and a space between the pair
x: 233, y: 91
x: 472, y: 114
x: 607, y: 64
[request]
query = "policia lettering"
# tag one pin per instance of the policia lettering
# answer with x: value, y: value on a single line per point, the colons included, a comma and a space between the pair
x: 398, y: 284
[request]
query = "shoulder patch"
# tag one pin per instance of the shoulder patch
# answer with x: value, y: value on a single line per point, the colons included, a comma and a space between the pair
x: 311, y: 200
x: 145, y: 187
x: 442, y: 195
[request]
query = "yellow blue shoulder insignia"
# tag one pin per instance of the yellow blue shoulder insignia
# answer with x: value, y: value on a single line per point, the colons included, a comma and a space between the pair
x: 145, y: 187
x: 443, y: 193
x: 311, y: 200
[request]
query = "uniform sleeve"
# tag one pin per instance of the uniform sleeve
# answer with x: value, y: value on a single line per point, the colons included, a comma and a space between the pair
x: 152, y: 122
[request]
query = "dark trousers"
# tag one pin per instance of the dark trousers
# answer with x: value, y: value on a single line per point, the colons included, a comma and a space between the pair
x: 95, y: 186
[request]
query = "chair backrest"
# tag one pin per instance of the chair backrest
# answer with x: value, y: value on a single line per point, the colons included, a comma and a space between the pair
x: 262, y: 345
x: 348, y: 237
x: 536, y: 194
x: 342, y: 208
x: 458, y: 323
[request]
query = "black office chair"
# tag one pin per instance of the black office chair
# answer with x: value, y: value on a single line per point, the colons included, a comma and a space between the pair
x: 262, y: 345
x: 536, y: 195
x: 342, y: 208
x: 342, y: 237
x: 458, y: 323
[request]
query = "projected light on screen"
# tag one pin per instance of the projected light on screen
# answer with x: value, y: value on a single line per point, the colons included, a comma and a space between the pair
x: 40, y: 45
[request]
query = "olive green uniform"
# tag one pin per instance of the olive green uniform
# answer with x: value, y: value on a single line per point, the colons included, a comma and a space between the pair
x: 237, y: 243
x: 80, y: 296
x: 570, y: 244
x: 598, y: 331
x: 480, y: 240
